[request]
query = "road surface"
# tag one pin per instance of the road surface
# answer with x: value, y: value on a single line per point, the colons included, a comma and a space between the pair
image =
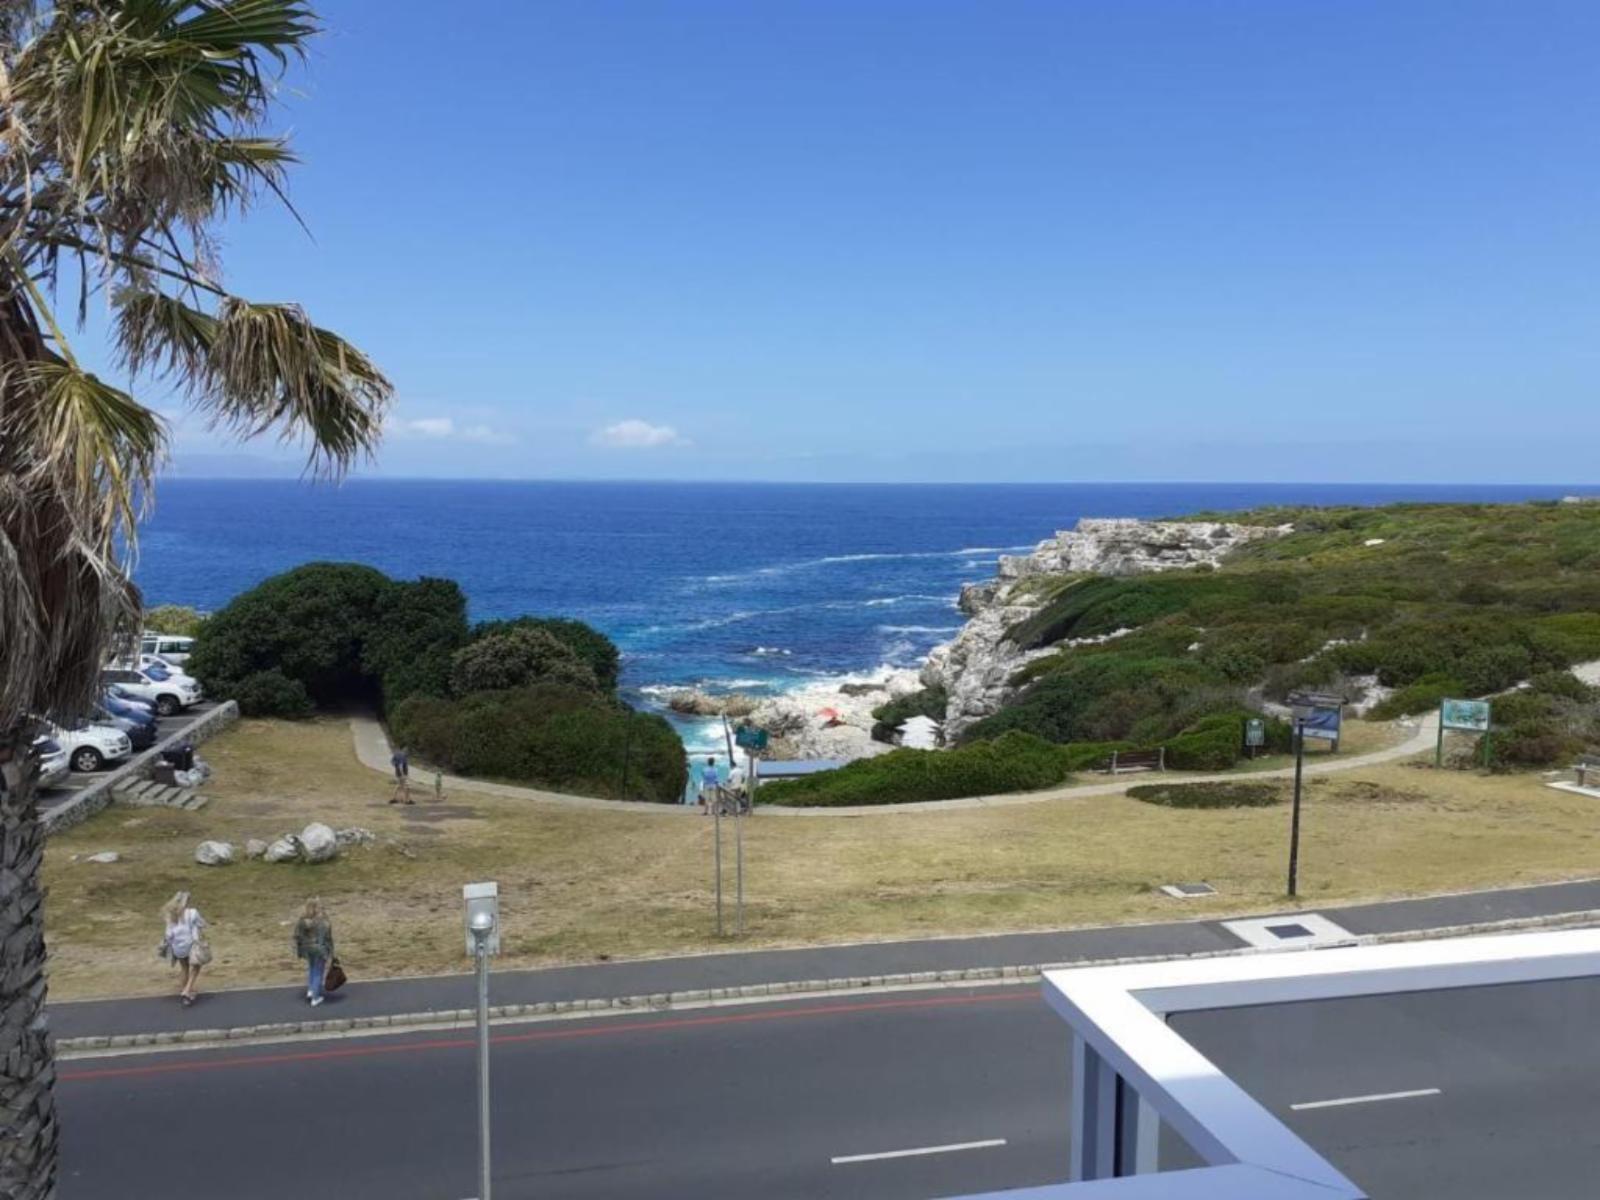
x: 1435, y: 1096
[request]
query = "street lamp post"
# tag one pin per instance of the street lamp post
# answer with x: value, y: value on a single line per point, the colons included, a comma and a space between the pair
x: 1294, y: 820
x: 483, y: 934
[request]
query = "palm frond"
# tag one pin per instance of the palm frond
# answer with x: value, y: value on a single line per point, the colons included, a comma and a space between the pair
x: 256, y: 367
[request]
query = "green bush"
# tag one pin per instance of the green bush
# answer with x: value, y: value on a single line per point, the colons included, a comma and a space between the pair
x: 592, y: 647
x: 417, y: 627
x: 272, y: 694
x: 1012, y: 762
x: 1209, y: 795
x: 1212, y: 744
x: 516, y: 658
x: 551, y: 735
x: 1422, y: 696
x: 887, y: 718
x: 1530, y: 744
x: 1564, y: 684
x: 175, y: 619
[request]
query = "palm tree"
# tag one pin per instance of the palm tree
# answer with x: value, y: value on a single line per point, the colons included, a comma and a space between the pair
x: 129, y: 129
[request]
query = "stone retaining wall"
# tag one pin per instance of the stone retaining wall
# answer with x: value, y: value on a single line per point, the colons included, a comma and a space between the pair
x: 97, y: 795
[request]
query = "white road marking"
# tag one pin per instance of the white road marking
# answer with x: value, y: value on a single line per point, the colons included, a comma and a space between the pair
x: 950, y: 1149
x: 1365, y: 1099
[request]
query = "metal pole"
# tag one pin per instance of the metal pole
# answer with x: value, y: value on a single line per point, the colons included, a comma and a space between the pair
x: 483, y: 1066
x: 627, y: 750
x: 716, y: 827
x: 1294, y: 823
x: 1438, y: 749
x: 738, y: 859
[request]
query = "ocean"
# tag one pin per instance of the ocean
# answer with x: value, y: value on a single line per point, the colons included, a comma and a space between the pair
x: 727, y: 586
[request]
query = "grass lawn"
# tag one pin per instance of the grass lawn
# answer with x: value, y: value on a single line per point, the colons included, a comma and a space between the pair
x: 577, y: 885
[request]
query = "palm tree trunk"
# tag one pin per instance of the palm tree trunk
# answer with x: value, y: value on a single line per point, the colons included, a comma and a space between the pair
x: 29, y: 1132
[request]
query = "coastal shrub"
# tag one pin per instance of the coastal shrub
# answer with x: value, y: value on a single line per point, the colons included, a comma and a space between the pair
x: 1422, y: 696
x: 1528, y: 744
x: 308, y: 624
x: 887, y: 718
x: 272, y: 694
x: 417, y: 627
x: 1564, y: 684
x: 1209, y: 795
x: 175, y: 619
x: 1212, y: 744
x: 592, y: 647
x: 551, y: 735
x: 516, y: 658
x: 1012, y: 762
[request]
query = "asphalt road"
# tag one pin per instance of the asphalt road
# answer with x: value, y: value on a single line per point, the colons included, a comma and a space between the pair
x: 761, y: 1100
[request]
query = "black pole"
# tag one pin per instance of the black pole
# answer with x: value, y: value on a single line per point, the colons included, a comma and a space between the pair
x: 1294, y: 821
x: 627, y: 748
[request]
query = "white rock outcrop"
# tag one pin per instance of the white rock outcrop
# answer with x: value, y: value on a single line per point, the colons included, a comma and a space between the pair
x: 832, y: 720
x: 318, y: 843
x: 214, y: 854
x: 976, y: 668
x: 284, y: 849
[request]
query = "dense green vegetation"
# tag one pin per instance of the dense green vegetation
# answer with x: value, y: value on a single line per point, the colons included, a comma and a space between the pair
x: 531, y: 699
x: 1012, y: 762
x: 1209, y: 795
x: 553, y: 733
x: 1430, y: 600
x: 175, y: 619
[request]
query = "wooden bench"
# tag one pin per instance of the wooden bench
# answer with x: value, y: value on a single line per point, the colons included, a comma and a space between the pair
x: 1124, y: 761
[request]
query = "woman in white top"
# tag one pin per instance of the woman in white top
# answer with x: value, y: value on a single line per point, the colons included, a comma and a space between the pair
x: 184, y: 924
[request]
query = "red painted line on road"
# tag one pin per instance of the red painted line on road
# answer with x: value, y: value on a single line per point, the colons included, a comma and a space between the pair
x: 542, y: 1035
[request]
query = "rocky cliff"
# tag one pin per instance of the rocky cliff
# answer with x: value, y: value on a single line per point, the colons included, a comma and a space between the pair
x: 976, y: 668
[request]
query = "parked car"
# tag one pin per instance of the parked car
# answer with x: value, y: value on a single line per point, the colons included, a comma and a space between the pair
x: 170, y: 695
x: 117, y: 697
x: 90, y: 747
x: 174, y: 649
x: 159, y: 667
x: 53, y: 765
x: 141, y: 730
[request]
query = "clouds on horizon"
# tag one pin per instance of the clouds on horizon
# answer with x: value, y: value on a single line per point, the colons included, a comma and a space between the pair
x: 634, y: 434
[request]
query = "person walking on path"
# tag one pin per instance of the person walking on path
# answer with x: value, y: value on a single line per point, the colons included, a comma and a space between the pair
x: 710, y: 781
x: 184, y: 943
x: 313, y: 941
x: 400, y: 760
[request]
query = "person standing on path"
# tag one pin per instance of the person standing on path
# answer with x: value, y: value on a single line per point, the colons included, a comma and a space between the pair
x: 400, y: 760
x: 313, y: 941
x: 183, y: 944
x: 710, y: 781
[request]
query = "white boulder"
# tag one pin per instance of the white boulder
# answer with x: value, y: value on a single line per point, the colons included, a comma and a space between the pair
x: 105, y: 856
x: 285, y: 849
x: 355, y: 836
x: 214, y: 854
x: 318, y: 843
x: 255, y: 848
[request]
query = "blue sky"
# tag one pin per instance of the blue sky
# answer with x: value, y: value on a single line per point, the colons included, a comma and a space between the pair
x: 862, y: 240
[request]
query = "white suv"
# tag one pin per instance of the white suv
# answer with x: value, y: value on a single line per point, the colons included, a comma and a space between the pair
x: 170, y: 695
x: 174, y: 649
x: 90, y: 747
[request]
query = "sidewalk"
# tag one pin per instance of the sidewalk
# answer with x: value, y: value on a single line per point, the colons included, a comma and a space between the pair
x: 373, y: 751
x: 689, y: 979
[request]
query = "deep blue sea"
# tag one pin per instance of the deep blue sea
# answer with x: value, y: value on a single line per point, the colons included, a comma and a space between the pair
x: 748, y: 586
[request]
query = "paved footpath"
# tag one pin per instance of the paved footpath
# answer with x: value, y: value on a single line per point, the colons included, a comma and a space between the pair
x: 689, y: 978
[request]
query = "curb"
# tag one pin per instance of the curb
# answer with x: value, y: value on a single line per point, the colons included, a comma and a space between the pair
x: 186, y: 1039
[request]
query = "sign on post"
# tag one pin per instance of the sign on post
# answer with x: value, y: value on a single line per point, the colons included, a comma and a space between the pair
x: 1255, y: 732
x: 1321, y: 723
x: 748, y: 737
x: 1472, y: 716
x: 1467, y: 716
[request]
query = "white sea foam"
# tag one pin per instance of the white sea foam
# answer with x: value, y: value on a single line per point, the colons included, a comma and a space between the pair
x: 829, y: 560
x: 919, y: 628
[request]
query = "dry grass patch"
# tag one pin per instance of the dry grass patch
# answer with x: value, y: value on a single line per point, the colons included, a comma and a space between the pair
x: 581, y: 884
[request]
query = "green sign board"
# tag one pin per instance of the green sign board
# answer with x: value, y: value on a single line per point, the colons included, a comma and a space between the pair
x: 751, y: 738
x: 1255, y: 732
x: 1470, y: 715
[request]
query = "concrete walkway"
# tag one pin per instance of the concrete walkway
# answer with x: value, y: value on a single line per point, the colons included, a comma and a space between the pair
x: 689, y: 979
x: 373, y: 750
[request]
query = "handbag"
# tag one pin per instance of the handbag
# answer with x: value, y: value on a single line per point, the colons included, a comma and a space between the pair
x: 334, y: 977
x: 200, y: 952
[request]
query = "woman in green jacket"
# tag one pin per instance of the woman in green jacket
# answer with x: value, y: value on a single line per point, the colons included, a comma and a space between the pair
x: 313, y: 941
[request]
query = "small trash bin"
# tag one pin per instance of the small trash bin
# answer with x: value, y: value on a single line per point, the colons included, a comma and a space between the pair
x: 180, y: 758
